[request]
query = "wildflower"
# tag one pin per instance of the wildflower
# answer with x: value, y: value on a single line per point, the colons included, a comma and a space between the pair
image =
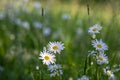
x: 66, y: 16
x: 92, y: 53
x: 56, y: 73
x: 55, y: 69
x: 102, y: 58
x: 93, y: 36
x: 110, y: 74
x: 37, y: 24
x: 2, y: 16
x: 99, y: 45
x: 94, y: 29
x: 91, y: 63
x: 46, y: 31
x: 84, y: 77
x: 26, y: 25
x: 37, y: 5
x: 56, y: 47
x: 37, y: 67
x: 47, y: 57
x: 70, y: 78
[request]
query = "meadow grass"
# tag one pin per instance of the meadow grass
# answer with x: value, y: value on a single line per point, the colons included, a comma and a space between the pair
x: 21, y: 42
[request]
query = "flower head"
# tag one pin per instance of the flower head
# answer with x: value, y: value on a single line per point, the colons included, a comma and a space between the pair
x: 99, y: 45
x: 56, y: 47
x: 56, y: 73
x: 37, y: 67
x: 110, y: 74
x: 84, y: 77
x: 26, y: 25
x: 46, y: 31
x: 47, y: 57
x: 66, y: 16
x: 102, y: 58
x: 94, y: 29
x: 55, y: 69
x: 37, y: 25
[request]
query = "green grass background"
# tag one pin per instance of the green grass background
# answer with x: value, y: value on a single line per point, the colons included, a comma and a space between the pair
x: 19, y: 47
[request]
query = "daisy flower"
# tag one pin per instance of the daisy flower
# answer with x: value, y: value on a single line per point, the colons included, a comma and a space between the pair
x: 99, y: 45
x: 102, y: 58
x: 37, y: 67
x: 84, y: 77
x: 47, y: 57
x: 55, y: 69
x: 56, y: 73
x: 94, y: 29
x: 110, y: 74
x: 55, y: 47
x: 66, y: 16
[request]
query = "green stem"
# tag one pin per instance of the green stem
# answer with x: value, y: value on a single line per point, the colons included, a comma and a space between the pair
x: 60, y: 78
x: 97, y: 72
x: 85, y: 67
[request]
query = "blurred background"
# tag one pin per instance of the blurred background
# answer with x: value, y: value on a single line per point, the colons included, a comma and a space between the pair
x: 26, y: 26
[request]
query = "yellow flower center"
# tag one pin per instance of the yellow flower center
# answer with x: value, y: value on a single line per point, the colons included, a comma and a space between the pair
x: 108, y: 73
x: 95, y: 29
x: 100, y: 58
x: 55, y: 47
x: 99, y: 45
x: 47, y: 57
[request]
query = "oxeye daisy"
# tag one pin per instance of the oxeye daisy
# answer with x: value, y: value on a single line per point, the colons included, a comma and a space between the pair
x: 99, y: 45
x: 56, y: 73
x: 47, y: 57
x: 110, y: 74
x: 55, y: 70
x: 102, y: 58
x: 84, y: 77
x: 55, y: 47
x: 54, y: 67
x: 94, y: 29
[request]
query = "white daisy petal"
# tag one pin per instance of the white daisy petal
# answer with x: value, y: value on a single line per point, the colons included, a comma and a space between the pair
x: 99, y: 45
x: 55, y: 47
x: 55, y: 70
x: 84, y: 77
x: 47, y: 58
x: 94, y: 29
x: 110, y: 74
x: 102, y: 59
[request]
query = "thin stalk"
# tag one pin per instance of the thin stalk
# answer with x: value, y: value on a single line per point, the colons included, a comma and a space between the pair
x: 85, y: 67
x: 60, y: 78
x: 88, y: 10
x: 97, y: 72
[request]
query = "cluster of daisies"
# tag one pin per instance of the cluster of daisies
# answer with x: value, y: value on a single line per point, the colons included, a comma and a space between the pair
x: 99, y: 50
x: 98, y: 53
x: 99, y: 46
x: 48, y: 57
x: 84, y: 77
